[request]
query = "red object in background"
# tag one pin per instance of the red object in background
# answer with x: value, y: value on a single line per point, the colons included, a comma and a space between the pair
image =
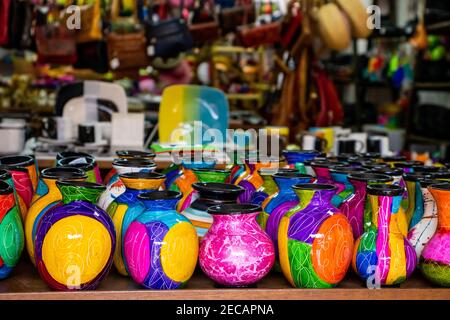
x: 331, y: 111
x: 292, y: 29
x: 4, y: 21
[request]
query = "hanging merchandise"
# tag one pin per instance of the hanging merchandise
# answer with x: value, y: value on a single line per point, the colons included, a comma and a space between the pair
x: 333, y: 27
x: 126, y: 42
x: 4, y: 21
x: 357, y: 16
x: 168, y: 38
x: 90, y: 20
x: 231, y: 17
x: 204, y: 27
x: 20, y: 25
x: 55, y: 43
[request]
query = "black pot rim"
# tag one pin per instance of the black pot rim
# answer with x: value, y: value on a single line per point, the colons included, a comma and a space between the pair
x: 300, y: 151
x: 373, y: 165
x: 384, y: 190
x: 370, y: 177
x: 160, y: 195
x: 291, y: 175
x: 233, y: 209
x: 370, y: 155
x: 218, y: 188
x: 393, y: 172
x: 394, y: 159
x: 66, y: 154
x: 328, y: 164
x: 25, y: 161
x: 5, y: 188
x: 441, y: 174
x: 426, y: 182
x: 344, y: 170
x: 134, y: 162
x: 407, y: 164
x: 135, y: 154
x: 440, y: 186
x: 143, y: 175
x: 57, y: 173
x: 88, y: 166
x: 416, y: 176
x: 428, y: 169
x: 315, y: 186
x: 81, y: 184
x: 272, y: 171
x: 5, y: 174
x: 217, y: 170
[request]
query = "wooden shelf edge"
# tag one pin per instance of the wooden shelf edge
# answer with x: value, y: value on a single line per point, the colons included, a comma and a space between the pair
x: 240, y: 294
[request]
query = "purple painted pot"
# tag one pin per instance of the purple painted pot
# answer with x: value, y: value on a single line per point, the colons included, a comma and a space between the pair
x: 235, y: 251
x: 322, y: 170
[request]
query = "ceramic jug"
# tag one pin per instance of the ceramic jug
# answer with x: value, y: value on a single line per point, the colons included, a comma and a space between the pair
x: 315, y: 240
x: 235, y: 251
x: 296, y: 158
x: 345, y: 189
x: 11, y: 230
x: 414, y: 211
x: 201, y: 175
x: 126, y: 207
x: 392, y: 160
x: 115, y: 187
x: 160, y: 245
x: 397, y: 175
x: 435, y: 260
x: 129, y: 154
x: 185, y: 177
x: 322, y: 170
x: 210, y: 194
x: 49, y: 197
x: 87, y: 164
x: 75, y: 239
x: 23, y: 171
x: 29, y: 162
x: 421, y: 233
x: 443, y: 175
x: 383, y: 256
x: 275, y: 206
x: 269, y: 187
x: 357, y: 207
x: 67, y: 154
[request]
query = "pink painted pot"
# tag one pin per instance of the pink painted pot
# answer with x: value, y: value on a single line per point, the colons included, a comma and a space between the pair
x: 235, y: 251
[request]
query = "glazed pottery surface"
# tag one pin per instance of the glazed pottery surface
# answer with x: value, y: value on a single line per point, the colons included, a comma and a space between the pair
x: 160, y: 245
x: 11, y: 230
x: 414, y: 212
x: 344, y: 187
x: 126, y: 207
x: 115, y: 187
x: 236, y: 251
x: 357, y: 207
x: 210, y: 194
x: 268, y: 187
x: 275, y: 206
x: 75, y: 240
x: 383, y: 256
x: 296, y: 158
x: 322, y: 170
x: 75, y: 154
x: 435, y: 260
x: 29, y: 162
x: 315, y: 240
x: 87, y: 164
x: 49, y: 196
x: 421, y: 233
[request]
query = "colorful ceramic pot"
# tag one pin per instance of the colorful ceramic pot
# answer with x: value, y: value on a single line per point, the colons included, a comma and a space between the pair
x: 296, y: 158
x: 435, y: 260
x: 75, y: 240
x: 275, y: 206
x: 374, y: 165
x: 425, y: 169
x: 28, y: 162
x: 185, y: 177
x: 22, y: 168
x: 160, y: 245
x: 129, y: 154
x: 269, y: 187
x: 322, y: 170
x: 392, y: 160
x: 442, y: 176
x: 414, y: 211
x: 421, y: 233
x: 87, y: 164
x: 345, y: 189
x: 115, y: 187
x: 201, y: 175
x: 210, y: 194
x: 407, y: 166
x: 357, y: 207
x: 397, y: 175
x: 315, y: 240
x: 126, y: 207
x: 235, y: 251
x: 11, y: 230
x: 383, y: 256
x: 49, y: 198
x: 69, y: 154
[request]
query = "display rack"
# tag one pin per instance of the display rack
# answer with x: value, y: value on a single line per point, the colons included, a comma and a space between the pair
x: 25, y: 284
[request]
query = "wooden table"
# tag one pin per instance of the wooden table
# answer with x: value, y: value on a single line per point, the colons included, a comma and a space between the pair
x: 25, y: 283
